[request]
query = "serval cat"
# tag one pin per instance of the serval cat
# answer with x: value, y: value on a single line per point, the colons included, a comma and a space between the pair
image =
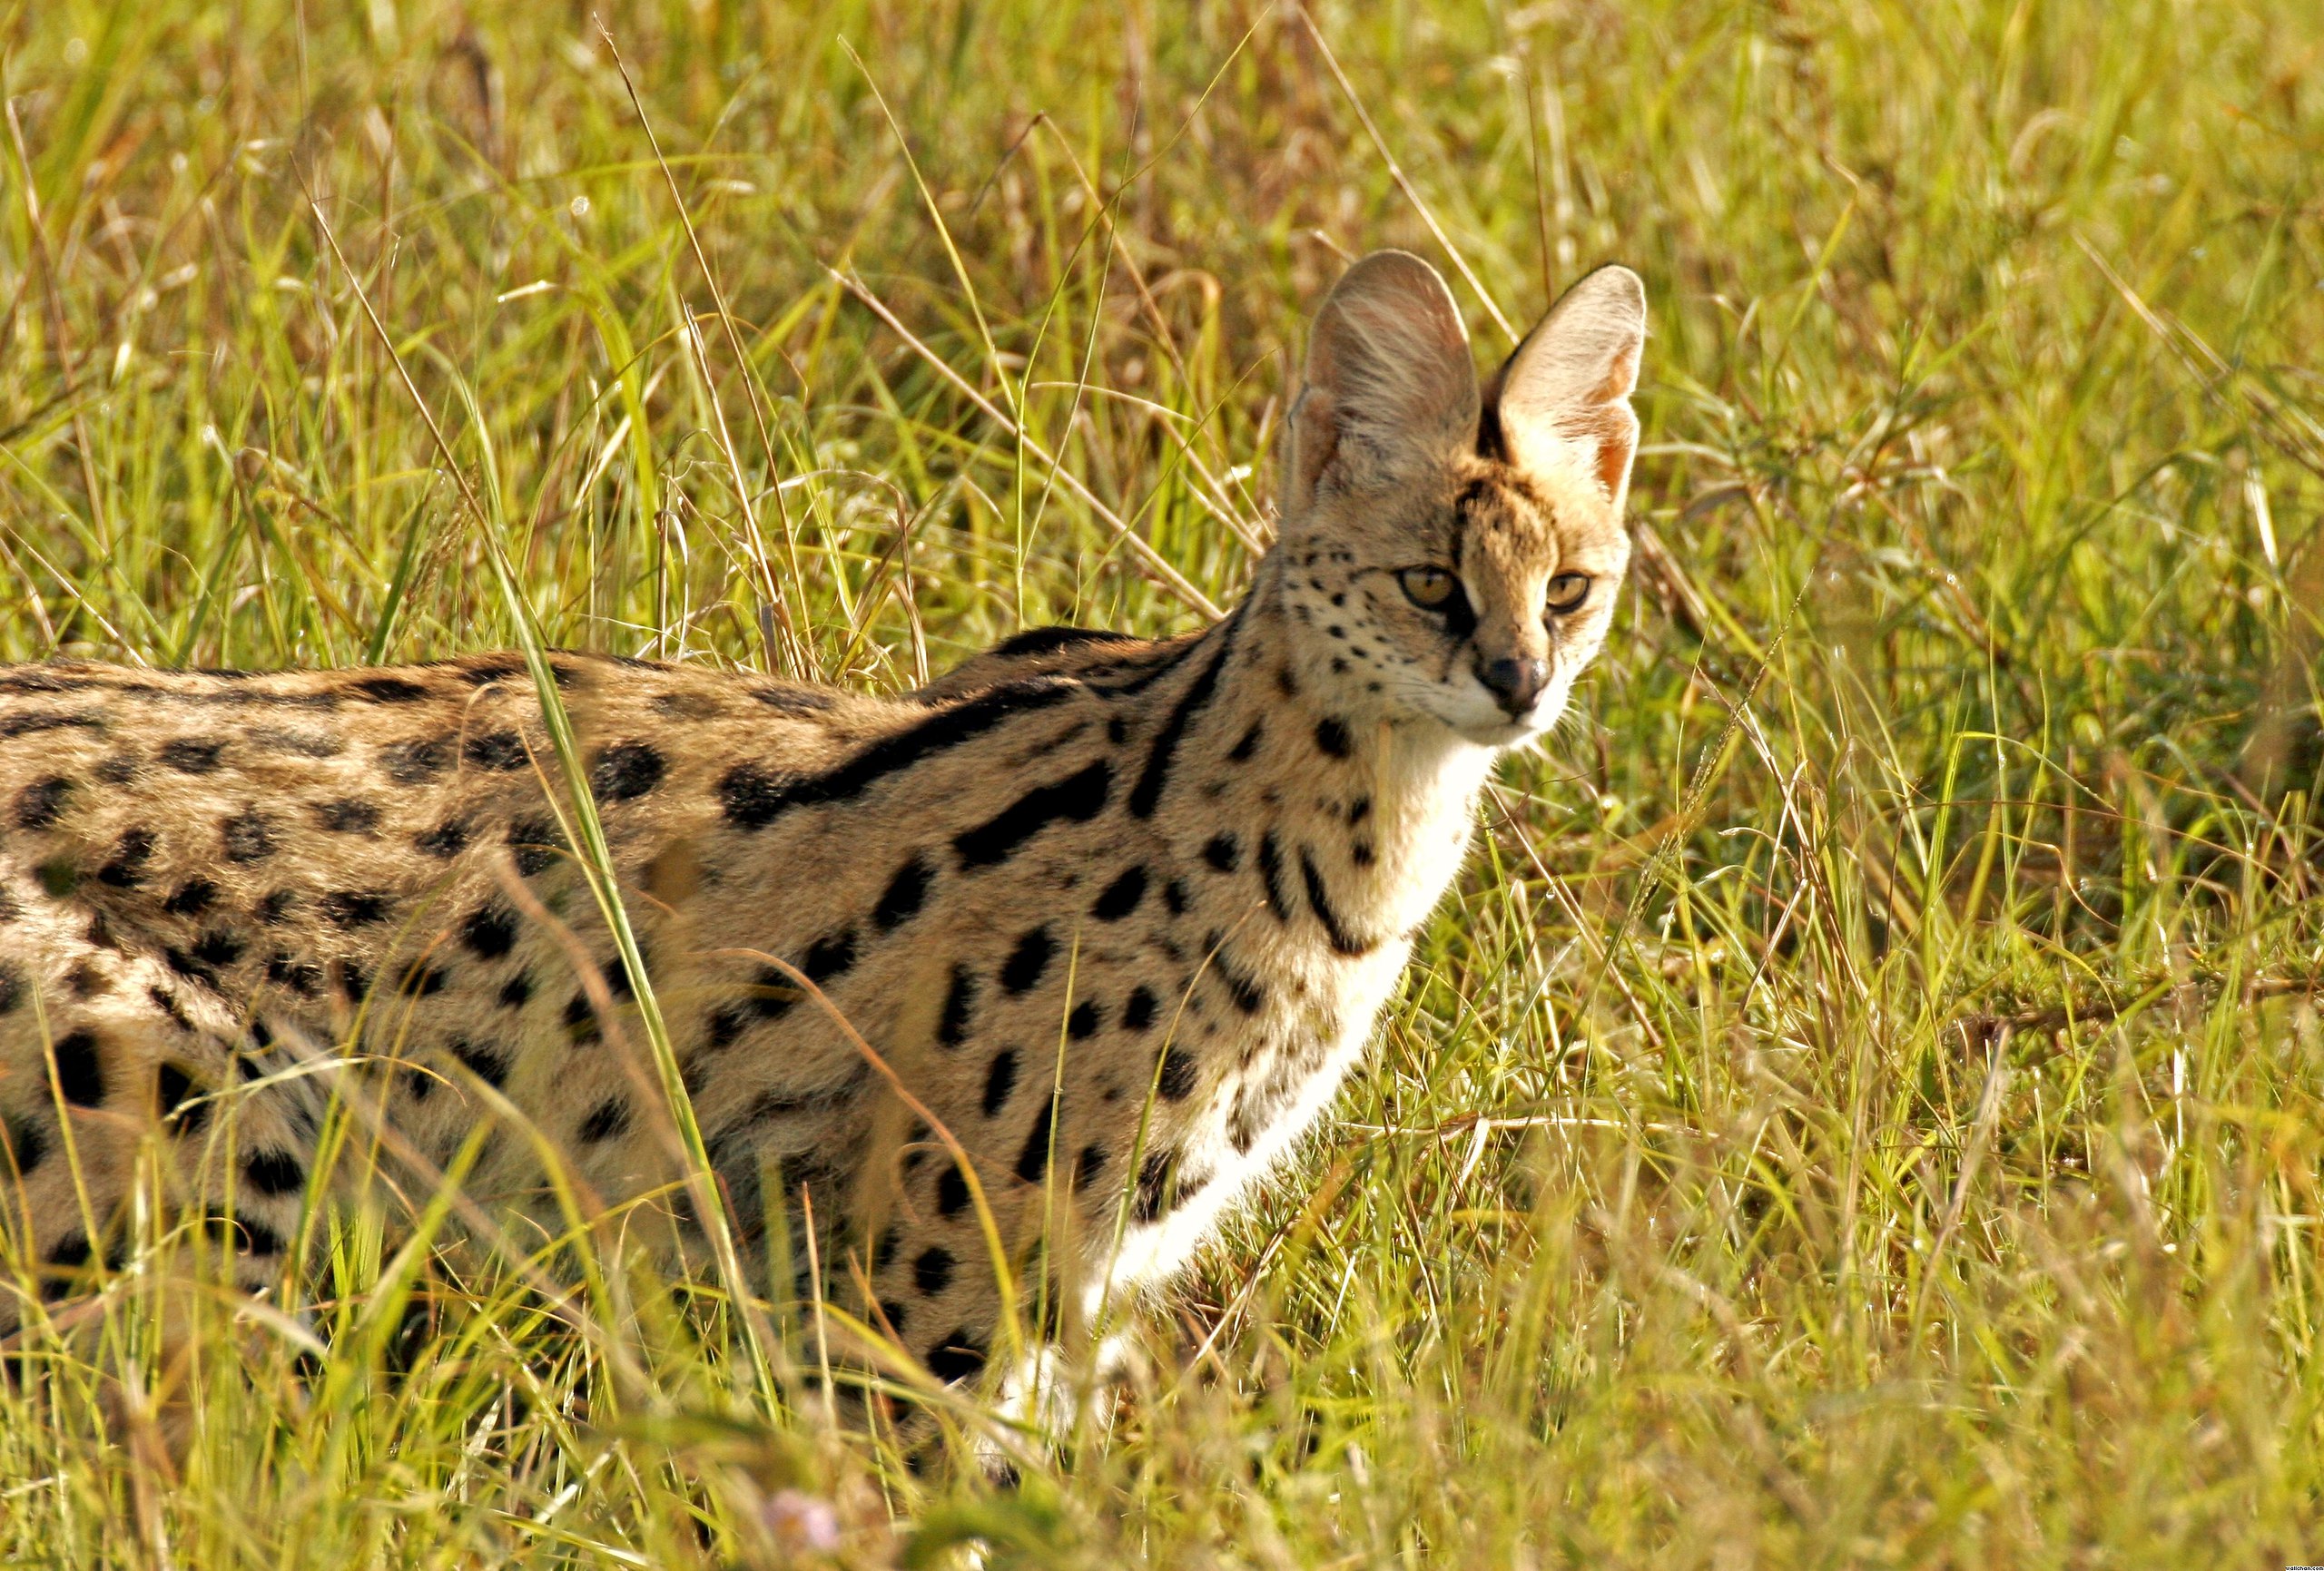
x: 1119, y: 913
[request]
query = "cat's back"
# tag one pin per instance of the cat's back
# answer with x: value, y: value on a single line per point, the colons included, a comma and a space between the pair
x: 208, y: 810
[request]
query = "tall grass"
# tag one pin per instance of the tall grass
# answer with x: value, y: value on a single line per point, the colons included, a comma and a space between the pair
x: 1863, y: 1103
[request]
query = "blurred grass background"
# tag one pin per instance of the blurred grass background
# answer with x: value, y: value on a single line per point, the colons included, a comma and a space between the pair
x: 1861, y: 1107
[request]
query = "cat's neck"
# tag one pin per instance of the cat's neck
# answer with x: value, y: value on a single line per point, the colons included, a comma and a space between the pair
x: 1345, y: 799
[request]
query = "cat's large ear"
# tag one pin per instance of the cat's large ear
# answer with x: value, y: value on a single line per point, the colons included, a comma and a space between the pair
x: 1390, y: 386
x: 1565, y: 394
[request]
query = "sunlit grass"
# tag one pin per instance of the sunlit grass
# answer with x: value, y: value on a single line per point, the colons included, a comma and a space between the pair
x: 1861, y: 1106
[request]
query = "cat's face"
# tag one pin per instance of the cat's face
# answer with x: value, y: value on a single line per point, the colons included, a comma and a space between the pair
x: 1452, y: 555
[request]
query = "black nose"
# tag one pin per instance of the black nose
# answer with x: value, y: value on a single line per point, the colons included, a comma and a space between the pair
x: 1515, y: 682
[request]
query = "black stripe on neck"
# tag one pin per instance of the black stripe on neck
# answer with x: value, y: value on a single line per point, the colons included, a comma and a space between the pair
x: 1319, y: 897
x: 1146, y: 795
x: 756, y: 797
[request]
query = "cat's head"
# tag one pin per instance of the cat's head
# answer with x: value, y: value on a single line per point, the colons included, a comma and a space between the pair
x: 1450, y: 553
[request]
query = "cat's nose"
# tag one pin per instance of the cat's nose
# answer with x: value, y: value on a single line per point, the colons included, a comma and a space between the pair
x: 1517, y: 683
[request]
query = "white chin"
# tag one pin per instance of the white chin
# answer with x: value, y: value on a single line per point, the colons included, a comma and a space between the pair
x: 1503, y: 733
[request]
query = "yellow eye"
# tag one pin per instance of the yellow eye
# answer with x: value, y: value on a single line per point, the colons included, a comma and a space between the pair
x: 1430, y: 588
x: 1567, y: 592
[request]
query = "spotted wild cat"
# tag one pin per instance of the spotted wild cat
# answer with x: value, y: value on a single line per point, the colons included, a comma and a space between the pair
x: 1119, y: 912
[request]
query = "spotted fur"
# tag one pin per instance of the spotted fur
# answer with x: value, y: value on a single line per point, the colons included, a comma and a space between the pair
x: 1119, y: 912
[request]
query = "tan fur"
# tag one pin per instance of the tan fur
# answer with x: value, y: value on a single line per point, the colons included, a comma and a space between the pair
x: 1185, y: 870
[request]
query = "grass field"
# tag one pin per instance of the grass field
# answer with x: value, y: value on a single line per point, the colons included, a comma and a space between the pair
x: 1864, y: 1104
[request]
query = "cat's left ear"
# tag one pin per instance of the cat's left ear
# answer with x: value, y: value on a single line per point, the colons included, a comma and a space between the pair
x: 1565, y: 394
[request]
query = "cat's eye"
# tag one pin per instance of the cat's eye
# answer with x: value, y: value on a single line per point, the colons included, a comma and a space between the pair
x: 1430, y: 588
x: 1567, y: 592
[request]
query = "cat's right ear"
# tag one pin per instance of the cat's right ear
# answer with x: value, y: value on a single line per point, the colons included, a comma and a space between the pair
x: 1389, y: 387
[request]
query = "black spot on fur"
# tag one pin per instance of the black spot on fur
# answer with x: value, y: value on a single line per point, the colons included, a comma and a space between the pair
x: 1090, y: 1166
x: 1248, y: 996
x: 1331, y: 737
x: 536, y: 842
x: 246, y: 836
x: 248, y: 1234
x: 1271, y: 875
x: 444, y: 841
x: 354, y: 982
x: 499, y: 751
x: 625, y: 772
x: 273, y: 1171
x: 190, y: 754
x: 518, y: 991
x: 951, y: 1193
x: 932, y: 1273
x: 1179, y: 1076
x: 724, y: 1026
x: 904, y: 896
x: 68, y: 1253
x: 607, y: 1119
x: 301, y: 976
x: 488, y: 1063
x: 17, y: 726
x: 775, y: 993
x: 27, y: 1142
x: 40, y: 804
x: 80, y: 1068
x: 490, y: 932
x: 1077, y: 799
x: 1121, y: 897
x: 793, y: 700
x: 130, y: 855
x: 355, y: 908
x: 1086, y: 1021
x: 348, y: 816
x: 173, y: 1089
x: 217, y: 947
x: 167, y: 1002
x: 1021, y: 972
x: 12, y: 985
x: 387, y: 690
x: 828, y: 956
x: 1157, y: 1180
x: 191, y: 898
x: 960, y: 1004
x: 956, y: 1358
x: 1000, y: 1082
x: 416, y: 761
x: 752, y: 798
x: 492, y: 668
x: 1033, y: 1157
x: 1241, y: 750
x: 1223, y: 852
x: 1138, y: 1010
x: 423, y: 981
x: 1174, y: 895
x: 580, y: 1020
